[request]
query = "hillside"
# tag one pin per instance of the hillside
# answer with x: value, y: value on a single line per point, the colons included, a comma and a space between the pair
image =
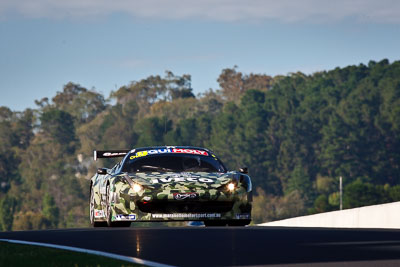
x: 297, y: 134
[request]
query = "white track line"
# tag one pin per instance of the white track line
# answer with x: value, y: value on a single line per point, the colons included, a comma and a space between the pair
x: 90, y: 251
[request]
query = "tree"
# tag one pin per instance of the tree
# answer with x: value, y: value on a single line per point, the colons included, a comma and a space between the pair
x: 81, y: 103
x: 234, y: 84
x: 269, y: 207
x: 152, y: 131
x: 7, y: 209
x: 301, y: 182
x: 321, y: 204
x: 147, y: 92
x: 231, y: 84
x: 59, y: 126
x: 296, y: 133
x: 222, y: 139
x: 22, y: 127
x: 8, y: 158
x: 255, y: 148
x: 394, y: 193
x: 50, y: 210
x: 359, y: 194
x: 179, y: 86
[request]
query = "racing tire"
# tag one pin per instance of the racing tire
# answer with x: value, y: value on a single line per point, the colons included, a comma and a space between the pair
x: 238, y: 222
x: 91, y: 212
x: 215, y: 223
x: 108, y: 207
x: 110, y: 223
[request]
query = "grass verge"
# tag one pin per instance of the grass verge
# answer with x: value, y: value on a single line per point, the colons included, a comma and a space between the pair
x: 26, y: 255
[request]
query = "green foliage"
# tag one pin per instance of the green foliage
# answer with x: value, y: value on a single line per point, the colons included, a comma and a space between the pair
x: 30, y: 221
x: 268, y: 207
x: 50, y: 210
x: 81, y: 103
x: 394, y: 193
x: 8, y: 169
x: 358, y: 194
x: 59, y: 126
x: 151, y: 131
x: 7, y: 209
x: 326, y: 185
x: 321, y: 204
x: 301, y: 182
x: 334, y: 199
x: 297, y: 134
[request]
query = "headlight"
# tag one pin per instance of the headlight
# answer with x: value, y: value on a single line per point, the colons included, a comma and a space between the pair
x: 231, y: 187
x: 137, y: 188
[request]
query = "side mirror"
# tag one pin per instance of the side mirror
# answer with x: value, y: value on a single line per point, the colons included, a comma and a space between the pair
x: 244, y: 170
x: 102, y: 171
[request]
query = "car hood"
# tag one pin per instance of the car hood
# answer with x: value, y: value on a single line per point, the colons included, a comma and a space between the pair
x: 158, y: 180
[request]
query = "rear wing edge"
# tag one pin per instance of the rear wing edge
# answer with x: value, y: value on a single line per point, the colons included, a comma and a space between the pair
x: 97, y: 154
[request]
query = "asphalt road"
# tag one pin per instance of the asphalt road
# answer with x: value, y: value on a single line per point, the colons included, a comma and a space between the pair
x: 230, y: 246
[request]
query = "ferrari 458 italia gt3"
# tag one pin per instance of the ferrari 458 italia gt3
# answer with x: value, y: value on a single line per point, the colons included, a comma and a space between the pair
x: 169, y: 184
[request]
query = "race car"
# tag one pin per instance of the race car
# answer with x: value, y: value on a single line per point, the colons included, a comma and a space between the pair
x: 169, y: 183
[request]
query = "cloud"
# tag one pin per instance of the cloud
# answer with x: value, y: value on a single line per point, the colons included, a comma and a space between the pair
x: 290, y: 11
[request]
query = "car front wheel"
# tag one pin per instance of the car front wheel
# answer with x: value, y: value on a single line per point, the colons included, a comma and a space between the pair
x: 110, y: 223
x: 91, y: 211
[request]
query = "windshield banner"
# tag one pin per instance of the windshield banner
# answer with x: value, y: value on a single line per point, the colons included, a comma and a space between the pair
x: 168, y: 150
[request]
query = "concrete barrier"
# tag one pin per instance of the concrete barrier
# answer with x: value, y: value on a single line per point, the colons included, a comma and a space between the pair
x: 377, y: 216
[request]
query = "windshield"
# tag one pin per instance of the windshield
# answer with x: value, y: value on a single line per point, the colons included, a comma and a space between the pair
x: 173, y: 163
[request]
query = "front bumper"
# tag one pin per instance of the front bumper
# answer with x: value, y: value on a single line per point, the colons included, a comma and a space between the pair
x: 150, y: 206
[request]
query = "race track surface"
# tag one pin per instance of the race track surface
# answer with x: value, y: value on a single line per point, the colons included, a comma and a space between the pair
x: 230, y: 246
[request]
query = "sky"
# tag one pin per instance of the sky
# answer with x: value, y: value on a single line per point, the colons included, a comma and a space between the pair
x: 103, y: 45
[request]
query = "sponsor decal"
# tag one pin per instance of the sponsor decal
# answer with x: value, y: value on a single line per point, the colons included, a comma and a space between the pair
x: 184, y: 174
x: 190, y: 151
x: 182, y: 179
x: 147, y: 198
x: 122, y: 217
x: 139, y: 154
x: 186, y: 215
x: 188, y: 195
x: 168, y: 150
x: 109, y: 154
x: 98, y: 213
x: 243, y: 216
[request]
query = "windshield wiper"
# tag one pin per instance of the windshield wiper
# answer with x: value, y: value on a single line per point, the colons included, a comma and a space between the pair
x: 155, y: 168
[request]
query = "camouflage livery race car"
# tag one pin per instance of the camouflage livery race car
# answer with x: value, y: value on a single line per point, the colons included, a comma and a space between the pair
x: 169, y: 184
